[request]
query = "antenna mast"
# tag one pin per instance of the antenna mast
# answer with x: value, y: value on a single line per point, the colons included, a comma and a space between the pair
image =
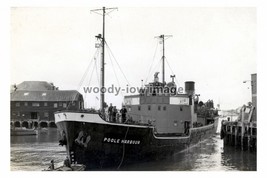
x: 102, y: 68
x: 163, y: 38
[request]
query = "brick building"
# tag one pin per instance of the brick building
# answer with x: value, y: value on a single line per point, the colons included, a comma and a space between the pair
x: 34, y: 103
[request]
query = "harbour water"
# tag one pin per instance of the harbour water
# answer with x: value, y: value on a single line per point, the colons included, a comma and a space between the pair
x: 34, y: 153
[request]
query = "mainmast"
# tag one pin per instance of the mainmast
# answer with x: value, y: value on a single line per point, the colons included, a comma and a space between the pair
x: 102, y: 68
x: 163, y: 38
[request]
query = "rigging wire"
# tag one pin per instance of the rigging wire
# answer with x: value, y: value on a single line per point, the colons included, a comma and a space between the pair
x: 97, y: 75
x: 83, y: 78
x: 94, y: 68
x: 114, y: 71
x: 117, y: 64
x: 172, y: 71
x: 87, y: 69
x: 90, y: 80
x: 156, y: 67
x: 91, y: 76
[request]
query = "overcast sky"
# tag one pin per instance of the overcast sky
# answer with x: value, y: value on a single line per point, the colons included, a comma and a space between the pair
x: 215, y: 47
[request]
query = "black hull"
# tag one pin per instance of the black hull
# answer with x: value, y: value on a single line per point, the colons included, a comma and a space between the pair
x: 101, y: 146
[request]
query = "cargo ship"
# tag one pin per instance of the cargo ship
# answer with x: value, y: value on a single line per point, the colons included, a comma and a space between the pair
x: 158, y: 123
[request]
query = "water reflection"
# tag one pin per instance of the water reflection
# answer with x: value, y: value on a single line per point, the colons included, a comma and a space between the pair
x: 236, y: 158
x: 209, y: 155
x: 36, y: 152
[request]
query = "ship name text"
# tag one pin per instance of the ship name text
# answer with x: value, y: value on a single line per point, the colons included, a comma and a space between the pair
x: 121, y: 141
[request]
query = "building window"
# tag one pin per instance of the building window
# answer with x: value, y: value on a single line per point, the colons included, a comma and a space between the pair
x: 36, y: 104
x: 17, y: 104
x: 159, y: 108
x: 73, y: 103
x: 43, y: 94
x: 149, y: 107
x: 59, y: 104
x: 164, y: 108
x: 55, y: 105
x: 45, y: 104
x: 18, y: 114
x: 139, y: 108
x: 64, y: 105
x: 25, y: 103
x: 129, y: 108
x: 181, y: 108
x: 46, y: 114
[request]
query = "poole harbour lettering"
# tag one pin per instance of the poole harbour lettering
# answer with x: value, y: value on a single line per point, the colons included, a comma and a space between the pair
x: 121, y: 141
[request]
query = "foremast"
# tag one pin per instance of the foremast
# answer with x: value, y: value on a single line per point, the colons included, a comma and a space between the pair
x: 102, y: 67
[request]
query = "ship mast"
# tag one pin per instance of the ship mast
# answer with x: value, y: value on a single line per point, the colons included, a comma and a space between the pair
x: 102, y: 68
x: 163, y: 38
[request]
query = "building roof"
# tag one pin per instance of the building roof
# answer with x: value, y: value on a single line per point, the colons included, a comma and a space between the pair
x: 48, y: 95
x: 35, y: 86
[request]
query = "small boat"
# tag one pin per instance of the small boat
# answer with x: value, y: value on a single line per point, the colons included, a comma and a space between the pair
x: 74, y: 167
x: 22, y: 131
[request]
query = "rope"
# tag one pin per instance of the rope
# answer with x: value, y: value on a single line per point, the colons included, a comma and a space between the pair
x: 123, y: 149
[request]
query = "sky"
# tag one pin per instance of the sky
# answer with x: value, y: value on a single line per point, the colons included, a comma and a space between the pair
x: 213, y: 46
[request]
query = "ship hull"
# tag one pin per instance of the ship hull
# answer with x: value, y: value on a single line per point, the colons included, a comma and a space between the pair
x: 102, y: 144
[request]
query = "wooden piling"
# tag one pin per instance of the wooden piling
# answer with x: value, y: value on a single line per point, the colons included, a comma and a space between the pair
x: 236, y: 134
x: 240, y: 134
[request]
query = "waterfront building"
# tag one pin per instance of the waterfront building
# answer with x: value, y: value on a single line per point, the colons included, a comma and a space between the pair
x: 33, y: 103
